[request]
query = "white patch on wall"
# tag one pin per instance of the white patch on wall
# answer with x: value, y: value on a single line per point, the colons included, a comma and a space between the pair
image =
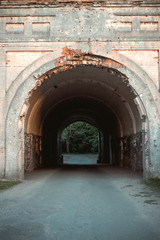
x: 149, y: 26
x: 17, y: 61
x: 120, y: 26
x: 14, y: 27
x: 40, y: 28
x: 147, y: 60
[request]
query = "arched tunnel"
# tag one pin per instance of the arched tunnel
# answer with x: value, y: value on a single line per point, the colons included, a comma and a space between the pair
x: 98, y: 95
x: 78, y: 108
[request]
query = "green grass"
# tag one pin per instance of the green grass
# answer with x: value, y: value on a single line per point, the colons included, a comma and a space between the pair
x: 153, y: 183
x: 7, y: 184
x: 151, y: 202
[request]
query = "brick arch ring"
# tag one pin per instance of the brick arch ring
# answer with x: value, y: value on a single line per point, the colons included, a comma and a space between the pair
x: 24, y: 86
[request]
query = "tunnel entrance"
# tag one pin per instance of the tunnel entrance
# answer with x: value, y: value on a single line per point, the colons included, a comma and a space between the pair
x: 99, y: 96
x: 79, y: 143
x: 77, y: 109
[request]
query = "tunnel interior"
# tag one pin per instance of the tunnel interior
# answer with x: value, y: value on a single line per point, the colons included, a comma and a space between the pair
x: 100, y: 96
x: 81, y: 108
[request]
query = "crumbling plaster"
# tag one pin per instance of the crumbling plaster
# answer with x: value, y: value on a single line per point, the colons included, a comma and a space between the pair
x: 18, y: 93
x: 84, y: 39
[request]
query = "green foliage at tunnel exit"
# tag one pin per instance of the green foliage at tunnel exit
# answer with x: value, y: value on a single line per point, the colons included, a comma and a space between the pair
x: 80, y: 137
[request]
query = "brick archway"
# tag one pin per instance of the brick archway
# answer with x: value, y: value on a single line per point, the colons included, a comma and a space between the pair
x: 70, y: 60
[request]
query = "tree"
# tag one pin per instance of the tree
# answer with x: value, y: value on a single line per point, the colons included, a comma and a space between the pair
x: 80, y: 137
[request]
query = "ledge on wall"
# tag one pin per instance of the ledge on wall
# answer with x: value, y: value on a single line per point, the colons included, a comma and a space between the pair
x: 38, y: 3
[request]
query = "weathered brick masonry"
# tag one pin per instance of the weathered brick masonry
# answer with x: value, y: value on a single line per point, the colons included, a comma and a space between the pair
x: 62, y: 61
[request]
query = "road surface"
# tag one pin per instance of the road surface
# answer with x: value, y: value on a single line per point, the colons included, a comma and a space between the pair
x: 80, y: 203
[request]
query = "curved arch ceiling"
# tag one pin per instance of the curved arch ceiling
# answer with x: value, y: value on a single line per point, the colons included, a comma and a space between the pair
x: 85, y: 82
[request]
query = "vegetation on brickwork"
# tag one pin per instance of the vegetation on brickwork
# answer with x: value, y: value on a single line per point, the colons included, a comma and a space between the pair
x: 153, y: 183
x: 7, y: 184
x: 80, y: 137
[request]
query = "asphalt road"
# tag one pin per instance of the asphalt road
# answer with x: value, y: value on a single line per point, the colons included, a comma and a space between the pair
x: 80, y: 203
x: 80, y: 159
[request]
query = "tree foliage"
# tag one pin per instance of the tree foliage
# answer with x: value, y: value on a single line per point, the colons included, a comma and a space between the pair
x: 80, y: 137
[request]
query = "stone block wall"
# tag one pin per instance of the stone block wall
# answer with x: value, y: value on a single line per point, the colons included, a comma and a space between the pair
x: 33, y: 152
x: 131, y: 152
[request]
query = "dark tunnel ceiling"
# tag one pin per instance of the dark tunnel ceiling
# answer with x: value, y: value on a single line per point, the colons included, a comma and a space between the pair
x: 86, y: 82
x: 84, y: 109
